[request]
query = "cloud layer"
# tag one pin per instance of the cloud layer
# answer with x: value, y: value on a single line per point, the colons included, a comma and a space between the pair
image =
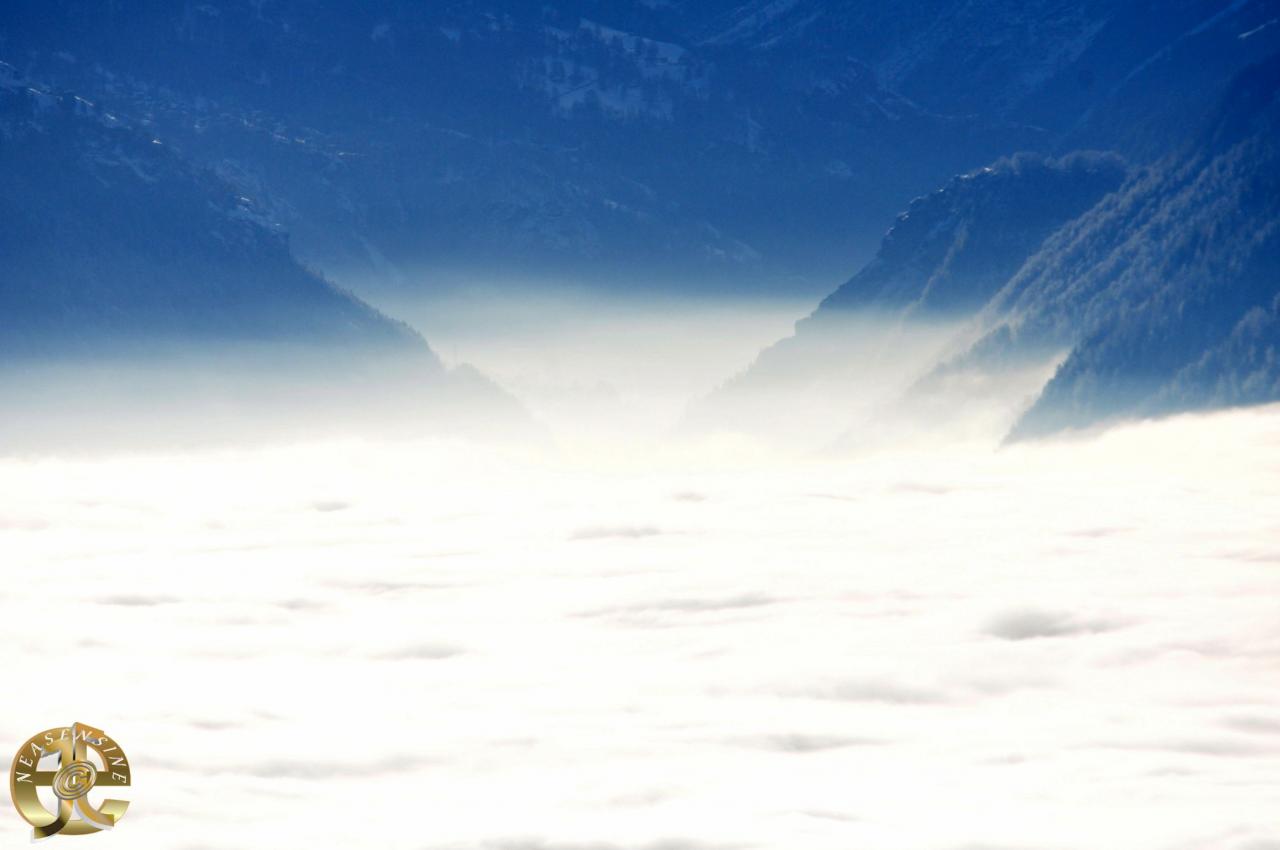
x: 1052, y: 646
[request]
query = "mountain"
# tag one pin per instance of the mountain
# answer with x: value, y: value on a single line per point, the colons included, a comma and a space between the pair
x: 950, y: 251
x: 715, y: 144
x: 391, y: 135
x: 721, y: 145
x: 111, y: 240
x: 1114, y: 74
x: 1065, y: 293
x: 940, y: 263
x: 1166, y: 294
x: 136, y: 281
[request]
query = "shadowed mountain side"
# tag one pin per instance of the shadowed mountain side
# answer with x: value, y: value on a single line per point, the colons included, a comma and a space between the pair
x: 1165, y: 294
x: 941, y: 261
x: 952, y: 250
x: 1161, y: 297
x: 722, y: 145
x: 515, y: 137
x: 1125, y: 75
x: 136, y: 283
x: 111, y: 241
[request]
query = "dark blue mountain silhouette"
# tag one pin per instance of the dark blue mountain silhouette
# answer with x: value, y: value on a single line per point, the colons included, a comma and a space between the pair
x: 141, y: 296
x: 713, y: 144
x: 111, y: 241
x: 1162, y: 287
x: 1167, y: 292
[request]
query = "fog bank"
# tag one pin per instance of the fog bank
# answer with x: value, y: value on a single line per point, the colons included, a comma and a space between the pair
x: 1067, y: 644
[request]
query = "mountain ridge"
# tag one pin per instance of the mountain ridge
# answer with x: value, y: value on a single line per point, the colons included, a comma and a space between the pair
x: 142, y: 297
x: 582, y: 138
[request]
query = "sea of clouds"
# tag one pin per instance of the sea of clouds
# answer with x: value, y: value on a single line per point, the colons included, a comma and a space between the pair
x: 422, y: 645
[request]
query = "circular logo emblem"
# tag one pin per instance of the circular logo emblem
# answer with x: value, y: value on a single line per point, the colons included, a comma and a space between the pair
x: 71, y: 761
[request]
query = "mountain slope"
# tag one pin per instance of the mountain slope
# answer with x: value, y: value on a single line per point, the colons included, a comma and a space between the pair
x: 111, y: 241
x: 950, y: 251
x: 1166, y: 293
x: 1100, y: 73
x: 142, y: 300
x: 940, y: 263
x: 714, y: 144
x: 576, y: 138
